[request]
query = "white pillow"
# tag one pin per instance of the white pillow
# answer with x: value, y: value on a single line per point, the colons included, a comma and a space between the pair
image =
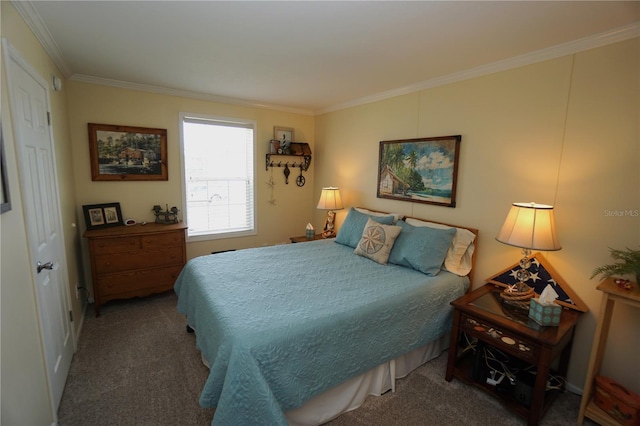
x: 458, y: 259
x: 396, y: 216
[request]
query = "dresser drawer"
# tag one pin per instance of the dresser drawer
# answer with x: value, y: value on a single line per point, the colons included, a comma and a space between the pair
x: 114, y: 245
x: 169, y: 239
x: 138, y: 259
x: 137, y: 280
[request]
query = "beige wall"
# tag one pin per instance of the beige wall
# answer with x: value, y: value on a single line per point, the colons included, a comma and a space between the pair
x: 89, y: 103
x: 25, y: 398
x: 563, y: 132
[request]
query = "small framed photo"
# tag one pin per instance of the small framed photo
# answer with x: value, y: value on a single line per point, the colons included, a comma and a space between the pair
x: 283, y: 134
x: 102, y: 215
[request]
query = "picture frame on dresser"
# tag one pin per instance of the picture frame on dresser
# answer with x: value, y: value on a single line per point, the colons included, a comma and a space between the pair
x: 98, y: 216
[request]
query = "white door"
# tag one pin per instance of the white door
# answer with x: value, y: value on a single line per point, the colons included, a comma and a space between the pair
x: 38, y: 181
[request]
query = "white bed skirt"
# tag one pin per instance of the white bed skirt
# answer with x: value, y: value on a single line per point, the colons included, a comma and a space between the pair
x: 352, y: 393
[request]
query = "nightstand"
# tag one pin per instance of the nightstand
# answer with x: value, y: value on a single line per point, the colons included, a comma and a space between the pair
x: 484, y: 318
x: 303, y: 239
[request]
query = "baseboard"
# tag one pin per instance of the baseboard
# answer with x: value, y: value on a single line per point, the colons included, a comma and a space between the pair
x: 574, y: 389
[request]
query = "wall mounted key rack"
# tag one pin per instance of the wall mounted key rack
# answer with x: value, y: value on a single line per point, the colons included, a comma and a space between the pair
x: 283, y: 158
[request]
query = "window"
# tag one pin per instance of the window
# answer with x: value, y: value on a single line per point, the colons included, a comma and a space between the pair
x: 218, y: 169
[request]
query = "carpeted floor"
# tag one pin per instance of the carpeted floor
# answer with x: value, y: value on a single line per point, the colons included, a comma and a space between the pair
x: 136, y: 365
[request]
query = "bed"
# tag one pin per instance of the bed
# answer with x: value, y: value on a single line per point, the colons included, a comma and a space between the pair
x: 299, y: 333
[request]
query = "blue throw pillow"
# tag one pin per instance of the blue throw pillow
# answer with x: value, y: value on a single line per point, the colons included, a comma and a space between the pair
x: 421, y: 248
x: 351, y: 230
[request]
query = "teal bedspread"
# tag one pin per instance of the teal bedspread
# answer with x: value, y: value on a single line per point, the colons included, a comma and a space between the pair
x: 279, y: 325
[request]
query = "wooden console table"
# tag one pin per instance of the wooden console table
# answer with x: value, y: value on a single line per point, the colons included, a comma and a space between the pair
x: 611, y: 294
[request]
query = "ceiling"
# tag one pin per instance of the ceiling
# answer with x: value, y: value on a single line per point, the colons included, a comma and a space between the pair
x: 308, y: 56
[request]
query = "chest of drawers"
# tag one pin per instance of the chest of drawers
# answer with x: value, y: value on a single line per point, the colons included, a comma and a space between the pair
x: 134, y: 261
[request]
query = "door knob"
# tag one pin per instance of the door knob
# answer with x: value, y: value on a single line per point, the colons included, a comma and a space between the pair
x: 41, y: 266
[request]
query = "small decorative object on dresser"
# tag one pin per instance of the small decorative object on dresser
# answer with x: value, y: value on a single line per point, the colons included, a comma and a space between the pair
x: 137, y: 260
x: 166, y: 216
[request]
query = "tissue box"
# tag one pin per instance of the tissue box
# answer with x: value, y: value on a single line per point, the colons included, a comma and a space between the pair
x: 544, y: 314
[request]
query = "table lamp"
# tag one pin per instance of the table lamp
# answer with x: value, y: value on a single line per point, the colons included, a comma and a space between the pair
x: 330, y: 200
x: 529, y: 226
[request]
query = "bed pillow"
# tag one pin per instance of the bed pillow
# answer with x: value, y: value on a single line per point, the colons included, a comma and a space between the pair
x: 377, y: 241
x: 421, y: 248
x: 396, y: 216
x: 458, y: 259
x: 350, y: 232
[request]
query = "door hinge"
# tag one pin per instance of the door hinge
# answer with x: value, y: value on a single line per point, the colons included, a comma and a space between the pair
x: 71, y: 316
x: 49, y: 118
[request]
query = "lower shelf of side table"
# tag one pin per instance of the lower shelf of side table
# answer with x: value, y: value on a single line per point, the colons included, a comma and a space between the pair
x: 598, y: 415
x: 463, y: 371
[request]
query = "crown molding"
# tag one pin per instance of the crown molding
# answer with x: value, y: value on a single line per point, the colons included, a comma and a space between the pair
x: 185, y: 94
x: 34, y: 21
x: 591, y: 42
x: 40, y: 30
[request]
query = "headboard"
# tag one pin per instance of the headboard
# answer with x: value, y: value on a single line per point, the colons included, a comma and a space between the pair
x: 410, y: 218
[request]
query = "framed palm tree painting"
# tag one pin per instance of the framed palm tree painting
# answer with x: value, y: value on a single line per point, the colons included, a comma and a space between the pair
x: 422, y: 170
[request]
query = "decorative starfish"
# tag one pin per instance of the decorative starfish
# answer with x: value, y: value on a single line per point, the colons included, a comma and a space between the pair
x: 271, y: 184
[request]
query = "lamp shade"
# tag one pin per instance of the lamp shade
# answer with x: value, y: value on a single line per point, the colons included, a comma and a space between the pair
x: 330, y: 199
x: 530, y: 226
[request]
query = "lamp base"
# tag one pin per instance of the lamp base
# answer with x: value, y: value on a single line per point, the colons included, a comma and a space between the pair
x: 329, y: 234
x: 329, y: 225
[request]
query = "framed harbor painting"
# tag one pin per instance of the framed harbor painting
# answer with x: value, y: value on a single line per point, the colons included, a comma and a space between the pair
x: 422, y: 170
x: 125, y: 153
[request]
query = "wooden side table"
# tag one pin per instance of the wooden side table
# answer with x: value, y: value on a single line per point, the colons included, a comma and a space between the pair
x: 611, y: 294
x: 304, y: 239
x: 483, y: 315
